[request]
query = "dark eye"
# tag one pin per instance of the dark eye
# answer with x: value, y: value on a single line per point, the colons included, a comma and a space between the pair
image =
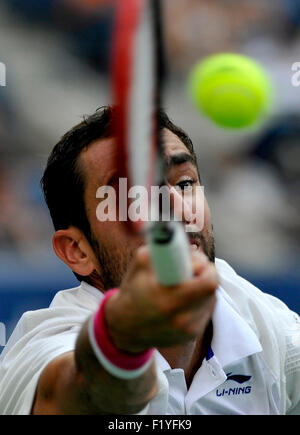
x: 185, y: 185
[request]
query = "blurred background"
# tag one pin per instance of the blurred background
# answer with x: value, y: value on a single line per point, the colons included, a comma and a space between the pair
x: 57, y: 58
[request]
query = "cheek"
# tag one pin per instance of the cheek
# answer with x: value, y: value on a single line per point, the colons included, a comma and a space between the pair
x: 115, y: 236
x: 207, y: 217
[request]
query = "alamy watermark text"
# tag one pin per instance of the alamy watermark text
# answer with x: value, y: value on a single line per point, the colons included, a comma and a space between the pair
x: 2, y: 74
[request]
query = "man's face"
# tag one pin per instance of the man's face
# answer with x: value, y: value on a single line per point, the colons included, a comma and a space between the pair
x: 113, y: 246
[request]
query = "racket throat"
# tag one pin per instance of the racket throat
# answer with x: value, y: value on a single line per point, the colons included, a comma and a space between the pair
x: 170, y: 252
x: 162, y: 232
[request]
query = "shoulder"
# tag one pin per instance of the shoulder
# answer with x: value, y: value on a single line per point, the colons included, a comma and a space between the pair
x: 39, y: 337
x: 249, y: 299
x: 68, y: 309
x: 276, y: 326
x: 271, y: 319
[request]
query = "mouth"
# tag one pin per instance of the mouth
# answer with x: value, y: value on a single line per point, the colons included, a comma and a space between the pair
x: 199, y: 243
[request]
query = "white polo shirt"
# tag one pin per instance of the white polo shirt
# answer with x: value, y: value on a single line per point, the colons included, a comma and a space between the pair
x: 233, y: 378
x: 238, y: 376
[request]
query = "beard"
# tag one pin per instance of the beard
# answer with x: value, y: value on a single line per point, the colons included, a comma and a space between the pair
x: 114, y: 261
x: 113, y: 264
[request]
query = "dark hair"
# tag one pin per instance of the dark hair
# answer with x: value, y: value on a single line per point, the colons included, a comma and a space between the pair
x: 63, y: 181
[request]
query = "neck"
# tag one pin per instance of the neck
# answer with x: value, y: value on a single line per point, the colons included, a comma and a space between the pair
x: 94, y: 279
x: 189, y: 356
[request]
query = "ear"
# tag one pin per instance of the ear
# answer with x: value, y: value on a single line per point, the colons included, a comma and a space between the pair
x: 72, y: 247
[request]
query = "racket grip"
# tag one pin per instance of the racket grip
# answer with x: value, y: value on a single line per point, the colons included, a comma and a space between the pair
x: 170, y: 253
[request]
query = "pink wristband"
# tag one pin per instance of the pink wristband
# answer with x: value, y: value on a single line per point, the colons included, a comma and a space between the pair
x: 121, y: 364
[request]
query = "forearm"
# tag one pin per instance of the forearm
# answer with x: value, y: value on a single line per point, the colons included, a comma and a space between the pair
x: 103, y: 393
x: 76, y: 383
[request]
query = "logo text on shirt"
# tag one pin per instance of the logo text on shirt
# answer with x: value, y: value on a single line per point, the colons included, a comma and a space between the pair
x: 240, y: 379
x: 233, y: 391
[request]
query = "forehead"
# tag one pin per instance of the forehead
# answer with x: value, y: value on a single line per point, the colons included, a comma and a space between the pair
x: 98, y: 161
x: 172, y: 144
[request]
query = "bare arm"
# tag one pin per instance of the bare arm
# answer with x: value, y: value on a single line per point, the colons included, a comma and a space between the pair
x: 142, y: 315
x: 76, y: 383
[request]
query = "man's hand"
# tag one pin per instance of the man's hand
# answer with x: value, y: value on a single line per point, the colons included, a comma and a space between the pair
x: 143, y: 314
x: 146, y: 314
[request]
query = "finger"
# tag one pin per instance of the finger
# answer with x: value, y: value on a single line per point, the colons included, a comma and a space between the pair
x: 198, y: 288
x: 195, y: 320
x: 199, y: 262
x: 142, y: 256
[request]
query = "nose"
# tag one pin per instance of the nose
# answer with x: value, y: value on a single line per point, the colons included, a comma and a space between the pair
x: 182, y: 207
x: 189, y: 209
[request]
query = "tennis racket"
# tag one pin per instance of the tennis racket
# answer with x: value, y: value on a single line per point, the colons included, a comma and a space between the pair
x: 138, y: 65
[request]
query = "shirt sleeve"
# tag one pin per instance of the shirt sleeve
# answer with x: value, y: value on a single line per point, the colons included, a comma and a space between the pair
x: 24, y: 361
x: 292, y: 367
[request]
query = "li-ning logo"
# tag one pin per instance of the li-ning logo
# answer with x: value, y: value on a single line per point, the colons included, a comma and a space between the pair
x: 240, y: 379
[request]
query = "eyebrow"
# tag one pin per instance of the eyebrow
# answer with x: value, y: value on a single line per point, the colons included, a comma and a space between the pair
x: 180, y: 159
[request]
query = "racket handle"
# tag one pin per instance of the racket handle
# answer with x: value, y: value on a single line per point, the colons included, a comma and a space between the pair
x: 170, y: 253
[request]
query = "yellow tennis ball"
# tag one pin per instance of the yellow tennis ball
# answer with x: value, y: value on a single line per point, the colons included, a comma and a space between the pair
x: 232, y: 90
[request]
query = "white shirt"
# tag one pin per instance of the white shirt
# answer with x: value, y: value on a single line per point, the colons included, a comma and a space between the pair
x: 235, y: 353
x: 238, y: 376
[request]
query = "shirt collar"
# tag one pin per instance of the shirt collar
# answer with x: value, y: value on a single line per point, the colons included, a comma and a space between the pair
x: 233, y: 339
x: 161, y: 361
x: 92, y: 290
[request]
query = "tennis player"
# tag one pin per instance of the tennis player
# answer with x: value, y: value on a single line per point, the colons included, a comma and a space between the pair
x: 120, y: 343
